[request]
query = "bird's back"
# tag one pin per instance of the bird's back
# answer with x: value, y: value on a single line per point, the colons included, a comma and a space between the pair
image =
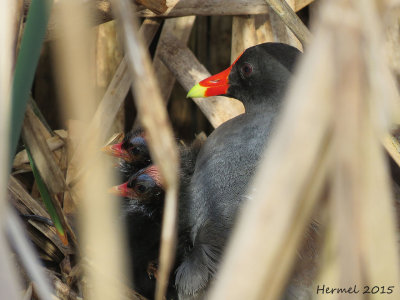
x: 224, y: 168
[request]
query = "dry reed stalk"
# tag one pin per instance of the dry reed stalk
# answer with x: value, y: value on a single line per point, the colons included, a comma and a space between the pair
x: 35, y: 136
x: 28, y: 292
x: 108, y: 56
x: 148, y: 30
x: 9, y: 285
x: 288, y: 16
x: 8, y: 29
x: 111, y: 102
x: 379, y: 224
x: 362, y: 204
x: 392, y: 26
x: 262, y: 24
x: 347, y: 163
x: 176, y: 8
x: 181, y: 29
x: 71, y: 199
x: 27, y: 205
x: 281, y: 32
x: 180, y: 8
x: 243, y: 35
x: 383, y: 82
x: 119, y: 86
x: 153, y: 116
x: 156, y: 6
x: 392, y: 146
x: 285, y: 190
x: 101, y: 252
x: 248, y: 31
x: 188, y: 71
x: 27, y: 256
x: 54, y: 143
x: 63, y: 291
x: 378, y: 61
x: 18, y: 19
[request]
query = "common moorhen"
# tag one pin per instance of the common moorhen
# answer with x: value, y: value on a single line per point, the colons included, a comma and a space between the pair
x: 141, y: 207
x: 228, y: 160
x: 133, y: 152
x: 144, y: 198
x: 143, y: 193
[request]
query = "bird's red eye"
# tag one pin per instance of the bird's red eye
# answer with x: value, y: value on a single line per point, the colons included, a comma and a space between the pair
x: 246, y: 69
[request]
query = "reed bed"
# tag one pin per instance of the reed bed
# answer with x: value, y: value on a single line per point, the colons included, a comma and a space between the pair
x: 323, y: 208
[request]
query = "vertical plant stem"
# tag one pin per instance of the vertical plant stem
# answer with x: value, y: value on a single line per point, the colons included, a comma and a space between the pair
x: 28, y: 57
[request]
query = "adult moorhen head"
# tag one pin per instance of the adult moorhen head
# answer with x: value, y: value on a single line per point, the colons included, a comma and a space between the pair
x: 227, y: 161
x: 257, y: 77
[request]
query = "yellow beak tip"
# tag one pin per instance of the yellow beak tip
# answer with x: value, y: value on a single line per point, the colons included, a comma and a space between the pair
x: 197, y: 91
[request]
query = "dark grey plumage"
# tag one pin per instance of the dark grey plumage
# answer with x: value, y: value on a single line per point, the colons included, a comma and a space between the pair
x: 228, y: 161
x: 142, y: 210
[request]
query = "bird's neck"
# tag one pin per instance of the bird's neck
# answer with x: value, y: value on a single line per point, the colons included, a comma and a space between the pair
x: 269, y: 102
